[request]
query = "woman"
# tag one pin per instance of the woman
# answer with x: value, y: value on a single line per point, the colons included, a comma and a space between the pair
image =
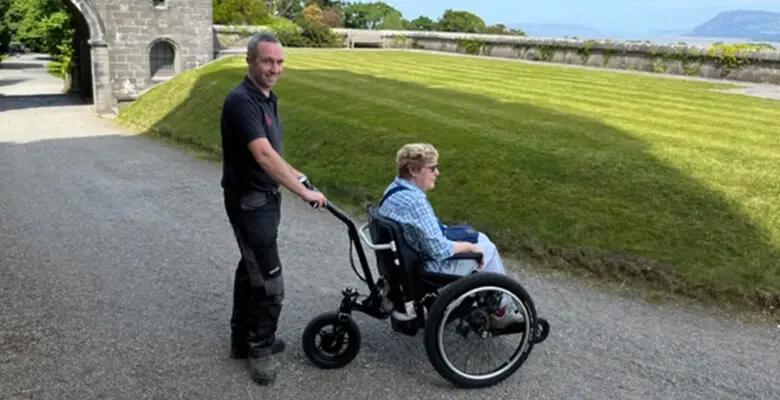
x: 405, y: 201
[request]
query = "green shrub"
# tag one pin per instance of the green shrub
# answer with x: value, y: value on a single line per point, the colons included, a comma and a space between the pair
x: 239, y: 12
x: 318, y: 34
x: 280, y: 23
x: 290, y: 36
x: 306, y: 34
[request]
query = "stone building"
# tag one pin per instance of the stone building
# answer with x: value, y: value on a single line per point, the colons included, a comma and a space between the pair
x: 123, y: 47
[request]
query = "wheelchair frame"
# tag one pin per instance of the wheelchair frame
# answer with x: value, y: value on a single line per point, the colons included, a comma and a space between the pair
x: 413, y: 292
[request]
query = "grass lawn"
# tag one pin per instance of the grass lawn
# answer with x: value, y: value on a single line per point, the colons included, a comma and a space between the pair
x: 627, y: 176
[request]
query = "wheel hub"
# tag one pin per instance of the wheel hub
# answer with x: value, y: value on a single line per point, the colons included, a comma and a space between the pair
x: 331, y: 341
x: 477, y: 321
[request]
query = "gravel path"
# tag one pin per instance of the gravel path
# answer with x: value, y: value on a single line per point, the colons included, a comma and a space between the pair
x: 115, y: 267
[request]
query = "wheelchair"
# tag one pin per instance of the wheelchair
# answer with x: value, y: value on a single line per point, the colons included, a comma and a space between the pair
x: 414, y: 299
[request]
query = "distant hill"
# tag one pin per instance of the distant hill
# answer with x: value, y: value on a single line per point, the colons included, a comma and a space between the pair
x: 554, y: 30
x: 754, y: 25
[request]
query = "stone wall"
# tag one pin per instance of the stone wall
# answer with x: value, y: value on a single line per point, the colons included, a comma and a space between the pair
x: 702, y: 61
x: 753, y: 66
x: 131, y: 29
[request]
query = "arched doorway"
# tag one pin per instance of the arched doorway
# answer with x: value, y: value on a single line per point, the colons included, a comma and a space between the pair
x: 90, y: 73
x: 81, y: 62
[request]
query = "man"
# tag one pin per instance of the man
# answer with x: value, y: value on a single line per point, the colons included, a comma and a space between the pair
x: 253, y: 169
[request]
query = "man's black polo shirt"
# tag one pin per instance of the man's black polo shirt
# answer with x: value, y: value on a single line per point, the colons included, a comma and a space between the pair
x: 248, y: 114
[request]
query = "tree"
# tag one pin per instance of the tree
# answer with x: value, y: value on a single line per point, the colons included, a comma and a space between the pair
x: 423, y: 23
x: 393, y: 22
x: 376, y: 15
x: 5, y: 30
x: 461, y: 21
x: 501, y: 29
x: 289, y: 9
x: 281, y: 8
x: 332, y: 16
x: 40, y: 25
x: 312, y: 12
x: 323, y: 4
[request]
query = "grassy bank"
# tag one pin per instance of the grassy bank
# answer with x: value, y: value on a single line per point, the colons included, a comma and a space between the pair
x: 635, y: 177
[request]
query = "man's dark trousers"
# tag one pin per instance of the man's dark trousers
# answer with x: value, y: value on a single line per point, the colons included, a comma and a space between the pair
x: 259, y: 284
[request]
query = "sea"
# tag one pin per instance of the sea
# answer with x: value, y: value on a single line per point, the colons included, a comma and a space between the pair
x: 674, y: 39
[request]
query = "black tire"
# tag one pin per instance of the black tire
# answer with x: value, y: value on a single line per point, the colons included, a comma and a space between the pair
x: 317, y: 356
x: 542, y: 330
x: 436, y: 319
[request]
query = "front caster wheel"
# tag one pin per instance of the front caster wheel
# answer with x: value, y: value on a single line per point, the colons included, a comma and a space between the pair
x: 541, y: 331
x: 339, y: 340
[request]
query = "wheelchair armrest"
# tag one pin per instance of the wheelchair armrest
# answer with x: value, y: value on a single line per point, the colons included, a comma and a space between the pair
x: 466, y: 256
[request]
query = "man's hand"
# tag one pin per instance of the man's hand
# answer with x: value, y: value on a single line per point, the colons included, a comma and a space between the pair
x: 314, y: 197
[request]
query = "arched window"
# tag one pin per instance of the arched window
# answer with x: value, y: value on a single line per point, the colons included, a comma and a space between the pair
x: 161, y: 59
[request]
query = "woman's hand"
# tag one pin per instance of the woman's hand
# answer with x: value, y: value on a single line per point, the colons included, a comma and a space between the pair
x: 476, y: 249
x: 468, y: 247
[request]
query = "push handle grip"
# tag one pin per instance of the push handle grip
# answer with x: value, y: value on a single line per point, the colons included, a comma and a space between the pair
x: 306, y: 183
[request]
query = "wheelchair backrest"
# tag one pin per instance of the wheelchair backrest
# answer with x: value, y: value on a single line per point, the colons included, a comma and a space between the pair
x: 394, y: 265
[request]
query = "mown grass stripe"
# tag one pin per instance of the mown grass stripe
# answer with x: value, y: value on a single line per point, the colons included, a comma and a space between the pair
x: 403, y: 110
x: 702, y: 104
x: 396, y: 107
x: 554, y: 70
x: 551, y: 73
x: 696, y: 128
x: 588, y: 212
x: 726, y: 122
x: 442, y: 119
x: 573, y: 103
x: 400, y: 71
x: 548, y: 80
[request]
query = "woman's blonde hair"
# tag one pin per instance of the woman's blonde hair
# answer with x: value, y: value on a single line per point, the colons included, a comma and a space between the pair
x: 414, y: 156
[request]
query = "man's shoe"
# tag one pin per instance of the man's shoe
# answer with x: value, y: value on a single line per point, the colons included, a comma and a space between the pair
x: 240, y: 350
x: 262, y: 370
x: 262, y: 362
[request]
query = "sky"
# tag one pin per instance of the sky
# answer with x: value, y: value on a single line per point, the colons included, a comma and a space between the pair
x: 607, y: 16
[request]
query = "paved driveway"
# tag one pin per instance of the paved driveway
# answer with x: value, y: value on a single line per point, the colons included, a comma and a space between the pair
x: 115, y: 273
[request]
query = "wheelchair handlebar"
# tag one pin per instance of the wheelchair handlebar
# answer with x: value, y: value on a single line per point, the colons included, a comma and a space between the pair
x: 306, y: 183
x: 328, y: 206
x: 359, y: 232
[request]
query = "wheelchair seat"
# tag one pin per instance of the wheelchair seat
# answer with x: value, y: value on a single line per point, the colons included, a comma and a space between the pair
x: 400, y: 265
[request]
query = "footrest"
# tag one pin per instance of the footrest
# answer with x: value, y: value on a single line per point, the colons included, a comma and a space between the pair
x: 540, y: 331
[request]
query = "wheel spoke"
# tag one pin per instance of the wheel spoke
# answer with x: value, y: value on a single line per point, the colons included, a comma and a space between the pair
x: 478, y: 320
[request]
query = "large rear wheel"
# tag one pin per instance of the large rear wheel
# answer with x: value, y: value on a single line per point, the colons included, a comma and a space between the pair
x: 469, y: 305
